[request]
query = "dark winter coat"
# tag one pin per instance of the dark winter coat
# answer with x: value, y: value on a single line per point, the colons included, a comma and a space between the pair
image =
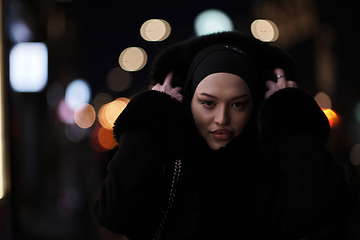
x: 275, y: 180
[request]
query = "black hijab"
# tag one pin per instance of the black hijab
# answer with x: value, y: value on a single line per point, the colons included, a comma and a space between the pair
x: 215, y: 59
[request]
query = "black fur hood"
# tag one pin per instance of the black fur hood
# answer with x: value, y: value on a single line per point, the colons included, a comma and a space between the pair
x: 171, y: 123
x: 178, y: 57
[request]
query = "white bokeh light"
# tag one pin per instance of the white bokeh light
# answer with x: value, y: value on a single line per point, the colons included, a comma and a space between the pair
x: 28, y: 67
x: 77, y: 92
x: 212, y: 21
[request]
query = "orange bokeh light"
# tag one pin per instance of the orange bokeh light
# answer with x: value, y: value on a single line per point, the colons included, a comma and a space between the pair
x: 94, y: 140
x: 332, y: 116
x: 106, y: 138
x: 102, y: 139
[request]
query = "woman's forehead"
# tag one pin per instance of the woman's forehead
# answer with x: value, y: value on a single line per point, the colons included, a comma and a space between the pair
x: 223, y: 83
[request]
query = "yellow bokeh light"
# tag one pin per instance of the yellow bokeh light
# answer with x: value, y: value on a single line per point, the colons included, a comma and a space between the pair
x: 84, y: 115
x: 133, y: 59
x: 155, y: 30
x: 265, y: 30
x: 323, y: 100
x: 123, y: 99
x: 113, y: 110
x: 109, y: 112
x: 102, y: 117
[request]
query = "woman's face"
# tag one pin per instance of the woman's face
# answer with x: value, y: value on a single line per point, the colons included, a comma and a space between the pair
x: 221, y: 107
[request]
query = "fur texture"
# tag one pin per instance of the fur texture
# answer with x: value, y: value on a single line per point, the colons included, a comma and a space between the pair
x: 178, y: 57
x: 300, y: 112
x: 162, y: 116
x: 170, y: 123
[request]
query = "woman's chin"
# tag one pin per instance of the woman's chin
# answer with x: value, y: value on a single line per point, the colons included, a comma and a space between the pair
x: 215, y: 145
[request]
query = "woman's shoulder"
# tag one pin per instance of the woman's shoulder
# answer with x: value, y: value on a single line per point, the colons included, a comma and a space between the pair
x: 290, y: 111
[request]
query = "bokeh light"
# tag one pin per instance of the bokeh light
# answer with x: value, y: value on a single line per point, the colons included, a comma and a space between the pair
x: 106, y: 138
x: 74, y: 133
x: 357, y: 112
x: 332, y: 116
x: 54, y: 93
x: 265, y: 30
x: 76, y: 93
x: 109, y: 112
x: 123, y: 99
x: 212, y: 21
x: 84, y: 115
x: 355, y: 154
x: 323, y: 100
x: 28, y: 67
x: 102, y: 117
x: 118, y: 80
x: 100, y: 99
x: 133, y: 59
x: 155, y: 30
x: 64, y: 113
x: 94, y: 139
x: 19, y: 31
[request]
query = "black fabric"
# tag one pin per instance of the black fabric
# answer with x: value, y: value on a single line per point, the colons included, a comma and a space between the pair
x: 215, y: 59
x: 126, y: 203
x: 294, y: 116
x: 163, y: 117
x: 236, y: 192
x: 178, y: 58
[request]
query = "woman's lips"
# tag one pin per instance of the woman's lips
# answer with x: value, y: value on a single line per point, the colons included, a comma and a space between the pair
x: 222, y: 134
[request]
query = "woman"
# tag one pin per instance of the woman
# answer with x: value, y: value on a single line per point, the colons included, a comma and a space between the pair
x: 250, y: 169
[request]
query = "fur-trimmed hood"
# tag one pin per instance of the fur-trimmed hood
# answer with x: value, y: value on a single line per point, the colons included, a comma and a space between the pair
x: 178, y: 57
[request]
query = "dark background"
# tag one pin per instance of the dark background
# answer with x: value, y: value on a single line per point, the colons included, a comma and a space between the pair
x: 54, y: 181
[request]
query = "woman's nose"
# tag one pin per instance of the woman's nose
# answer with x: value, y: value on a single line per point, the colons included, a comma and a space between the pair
x: 221, y: 117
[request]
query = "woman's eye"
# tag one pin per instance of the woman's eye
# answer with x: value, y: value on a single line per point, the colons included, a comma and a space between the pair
x: 207, y: 103
x: 238, y: 104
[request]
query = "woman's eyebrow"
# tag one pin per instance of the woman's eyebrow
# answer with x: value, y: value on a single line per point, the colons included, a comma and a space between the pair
x: 208, y: 95
x: 236, y: 97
